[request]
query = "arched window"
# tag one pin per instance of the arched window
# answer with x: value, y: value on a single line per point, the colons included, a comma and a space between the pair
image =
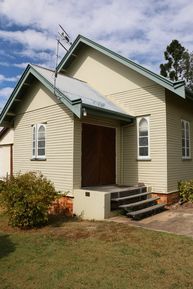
x: 38, y: 141
x: 143, y: 138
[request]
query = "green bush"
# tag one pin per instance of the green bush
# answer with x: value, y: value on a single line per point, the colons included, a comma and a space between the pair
x: 26, y: 198
x: 1, y: 187
x: 186, y: 190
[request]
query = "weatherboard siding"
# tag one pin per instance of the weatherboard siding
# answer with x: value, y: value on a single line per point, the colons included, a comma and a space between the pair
x: 7, y: 137
x: 105, y: 74
x: 149, y: 101
x: 4, y: 161
x: 5, y: 152
x: 178, y: 169
x: 58, y: 166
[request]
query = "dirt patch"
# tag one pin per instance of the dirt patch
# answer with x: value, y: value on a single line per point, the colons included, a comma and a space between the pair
x: 74, y: 229
x: 104, y: 231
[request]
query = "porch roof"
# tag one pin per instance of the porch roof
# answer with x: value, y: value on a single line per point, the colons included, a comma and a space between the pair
x: 76, y: 91
x: 75, y: 94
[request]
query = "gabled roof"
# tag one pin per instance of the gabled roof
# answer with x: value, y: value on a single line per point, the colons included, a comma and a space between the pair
x: 75, y: 94
x: 177, y: 87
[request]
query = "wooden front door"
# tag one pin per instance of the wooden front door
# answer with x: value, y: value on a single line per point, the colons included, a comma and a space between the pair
x: 98, y: 155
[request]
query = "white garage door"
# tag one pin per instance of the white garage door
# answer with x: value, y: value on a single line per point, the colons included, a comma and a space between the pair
x: 4, y: 161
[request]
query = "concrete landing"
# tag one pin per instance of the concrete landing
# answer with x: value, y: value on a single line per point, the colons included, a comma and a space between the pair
x: 179, y: 221
x: 109, y: 188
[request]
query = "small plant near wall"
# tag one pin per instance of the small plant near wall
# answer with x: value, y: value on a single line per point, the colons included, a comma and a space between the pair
x: 186, y: 190
x: 27, y: 198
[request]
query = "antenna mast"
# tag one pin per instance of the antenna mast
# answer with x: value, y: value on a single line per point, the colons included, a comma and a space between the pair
x: 63, y: 38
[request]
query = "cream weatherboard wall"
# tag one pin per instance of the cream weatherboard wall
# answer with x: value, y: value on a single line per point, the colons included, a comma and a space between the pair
x: 7, y: 137
x: 40, y: 106
x: 5, y: 153
x: 178, y: 169
x: 4, y: 161
x: 105, y: 74
x: 138, y: 96
x: 149, y: 101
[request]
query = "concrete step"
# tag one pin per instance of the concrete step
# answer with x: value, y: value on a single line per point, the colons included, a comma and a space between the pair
x: 130, y: 197
x: 124, y: 192
x: 137, y: 204
x: 140, y: 213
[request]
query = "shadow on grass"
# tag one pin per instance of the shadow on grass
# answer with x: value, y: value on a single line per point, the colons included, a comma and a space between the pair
x: 6, y: 245
x: 60, y: 220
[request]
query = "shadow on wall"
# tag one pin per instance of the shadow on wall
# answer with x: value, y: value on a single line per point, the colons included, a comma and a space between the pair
x: 6, y: 245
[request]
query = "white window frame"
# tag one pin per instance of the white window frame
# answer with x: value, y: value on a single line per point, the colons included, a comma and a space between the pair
x: 36, y: 156
x: 139, y: 157
x: 186, y: 156
x: 33, y: 142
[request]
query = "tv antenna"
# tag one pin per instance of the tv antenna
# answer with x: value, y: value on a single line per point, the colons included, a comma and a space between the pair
x: 64, y: 35
x: 62, y: 39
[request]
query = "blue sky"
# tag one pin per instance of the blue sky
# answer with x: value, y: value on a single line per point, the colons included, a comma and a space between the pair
x: 139, y: 30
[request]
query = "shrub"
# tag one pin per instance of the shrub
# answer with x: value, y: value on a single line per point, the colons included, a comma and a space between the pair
x: 1, y: 187
x: 186, y: 190
x: 26, y: 198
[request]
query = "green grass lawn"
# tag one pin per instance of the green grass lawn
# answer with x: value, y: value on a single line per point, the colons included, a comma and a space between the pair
x: 74, y: 254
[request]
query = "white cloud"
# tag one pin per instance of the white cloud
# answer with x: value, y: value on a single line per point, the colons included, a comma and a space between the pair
x: 3, y: 63
x: 4, y: 94
x: 9, y: 79
x: 139, y: 30
x: 6, y: 91
x: 44, y: 58
x: 20, y: 65
x: 136, y: 29
x: 29, y: 38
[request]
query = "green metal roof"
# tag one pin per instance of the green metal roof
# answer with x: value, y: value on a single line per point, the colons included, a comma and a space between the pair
x: 177, y: 87
x: 75, y: 94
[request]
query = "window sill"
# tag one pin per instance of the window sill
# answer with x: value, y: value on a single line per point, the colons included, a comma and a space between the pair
x: 38, y: 159
x: 186, y: 159
x: 144, y: 159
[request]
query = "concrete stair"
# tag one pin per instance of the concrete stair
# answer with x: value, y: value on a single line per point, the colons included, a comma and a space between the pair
x: 136, y: 202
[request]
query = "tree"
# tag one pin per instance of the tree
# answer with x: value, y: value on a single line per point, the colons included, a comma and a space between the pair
x: 174, y: 55
x: 179, y: 65
x: 187, y: 69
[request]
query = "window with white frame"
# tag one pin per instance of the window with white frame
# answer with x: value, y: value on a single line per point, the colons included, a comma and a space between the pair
x: 143, y: 138
x: 39, y: 141
x: 185, y: 139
